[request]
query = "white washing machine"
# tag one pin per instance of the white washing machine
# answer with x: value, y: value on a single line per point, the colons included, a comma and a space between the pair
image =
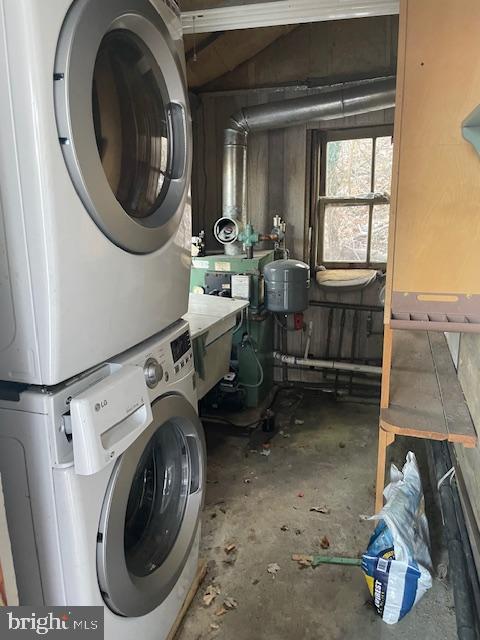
x: 95, y: 162
x: 104, y: 481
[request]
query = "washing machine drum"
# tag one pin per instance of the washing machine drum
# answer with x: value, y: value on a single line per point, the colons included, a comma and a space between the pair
x: 122, y: 116
x: 151, y: 510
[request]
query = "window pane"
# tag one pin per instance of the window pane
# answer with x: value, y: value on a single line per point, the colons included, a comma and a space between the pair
x: 349, y: 167
x: 383, y: 164
x: 345, y: 234
x: 379, y: 246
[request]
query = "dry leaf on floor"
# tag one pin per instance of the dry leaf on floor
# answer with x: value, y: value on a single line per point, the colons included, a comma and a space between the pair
x: 230, y: 603
x: 210, y: 594
x: 229, y: 548
x: 299, y: 422
x: 273, y: 568
x: 324, y: 510
x: 300, y: 494
x: 284, y: 528
x: 302, y: 559
x: 265, y: 452
x: 214, y: 626
x: 220, y: 612
x: 324, y: 542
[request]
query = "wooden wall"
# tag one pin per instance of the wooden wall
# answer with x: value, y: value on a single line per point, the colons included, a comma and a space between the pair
x: 278, y: 182
x: 278, y: 160
x: 278, y: 164
x: 340, y: 49
x: 469, y: 459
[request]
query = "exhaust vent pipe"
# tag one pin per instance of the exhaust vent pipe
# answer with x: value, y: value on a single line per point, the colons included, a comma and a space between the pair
x: 370, y: 95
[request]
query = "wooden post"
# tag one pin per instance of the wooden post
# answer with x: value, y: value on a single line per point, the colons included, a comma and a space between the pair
x: 386, y: 366
x: 385, y: 438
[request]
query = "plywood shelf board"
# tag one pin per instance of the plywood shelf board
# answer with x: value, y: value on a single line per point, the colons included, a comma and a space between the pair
x: 426, y: 400
x: 435, y: 202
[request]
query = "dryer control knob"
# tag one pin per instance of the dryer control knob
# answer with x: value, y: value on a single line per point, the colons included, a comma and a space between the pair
x: 153, y: 371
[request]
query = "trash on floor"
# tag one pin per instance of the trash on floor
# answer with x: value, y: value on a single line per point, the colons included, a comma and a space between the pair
x: 397, y: 564
x: 228, y: 605
x: 324, y: 510
x: 211, y: 592
x: 273, y: 568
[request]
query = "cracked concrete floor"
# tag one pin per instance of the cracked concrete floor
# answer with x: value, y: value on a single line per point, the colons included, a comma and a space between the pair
x: 325, y: 456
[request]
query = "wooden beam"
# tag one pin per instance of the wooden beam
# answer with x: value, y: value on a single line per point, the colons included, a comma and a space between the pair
x: 248, y: 15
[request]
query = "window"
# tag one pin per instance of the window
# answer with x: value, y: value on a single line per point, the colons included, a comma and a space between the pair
x: 354, y: 201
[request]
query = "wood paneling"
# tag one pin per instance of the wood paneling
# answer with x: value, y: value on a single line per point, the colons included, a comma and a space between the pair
x: 341, y: 49
x: 227, y: 51
x: 278, y: 177
x: 469, y: 376
x: 278, y: 183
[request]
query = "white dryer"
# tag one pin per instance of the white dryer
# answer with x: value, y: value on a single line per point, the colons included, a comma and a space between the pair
x: 95, y: 162
x: 104, y: 481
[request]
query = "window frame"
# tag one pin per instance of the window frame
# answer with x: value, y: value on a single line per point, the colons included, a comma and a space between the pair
x: 322, y: 200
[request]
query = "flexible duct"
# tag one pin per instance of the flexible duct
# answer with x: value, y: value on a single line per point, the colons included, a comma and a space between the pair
x: 370, y: 95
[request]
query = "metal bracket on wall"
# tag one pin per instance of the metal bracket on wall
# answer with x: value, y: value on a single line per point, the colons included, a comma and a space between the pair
x: 471, y: 129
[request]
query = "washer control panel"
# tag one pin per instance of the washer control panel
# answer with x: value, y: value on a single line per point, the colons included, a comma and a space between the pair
x: 181, y: 349
x: 165, y: 359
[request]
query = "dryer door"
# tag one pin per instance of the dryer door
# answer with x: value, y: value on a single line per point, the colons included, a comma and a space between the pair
x: 122, y: 115
x: 151, y: 510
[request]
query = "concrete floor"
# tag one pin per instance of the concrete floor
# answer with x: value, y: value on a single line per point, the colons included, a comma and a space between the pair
x: 329, y: 460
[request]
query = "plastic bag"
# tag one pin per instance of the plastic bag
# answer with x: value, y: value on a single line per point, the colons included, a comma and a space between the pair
x: 397, y: 564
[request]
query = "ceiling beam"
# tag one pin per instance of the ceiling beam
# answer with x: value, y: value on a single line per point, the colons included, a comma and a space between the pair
x: 283, y: 12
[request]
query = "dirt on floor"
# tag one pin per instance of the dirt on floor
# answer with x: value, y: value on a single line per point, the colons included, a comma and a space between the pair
x: 303, y: 494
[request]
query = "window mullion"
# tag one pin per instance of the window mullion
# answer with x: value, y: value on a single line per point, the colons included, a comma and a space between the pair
x: 372, y: 189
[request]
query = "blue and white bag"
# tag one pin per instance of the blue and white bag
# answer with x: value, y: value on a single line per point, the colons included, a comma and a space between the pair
x: 397, y: 564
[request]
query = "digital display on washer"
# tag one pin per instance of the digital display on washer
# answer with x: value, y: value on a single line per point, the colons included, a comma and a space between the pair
x: 180, y: 346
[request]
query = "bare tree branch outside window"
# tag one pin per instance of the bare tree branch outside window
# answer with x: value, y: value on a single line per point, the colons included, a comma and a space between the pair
x: 355, y: 207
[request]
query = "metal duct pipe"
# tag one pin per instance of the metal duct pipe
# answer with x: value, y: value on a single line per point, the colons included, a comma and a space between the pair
x: 371, y: 95
x: 327, y: 364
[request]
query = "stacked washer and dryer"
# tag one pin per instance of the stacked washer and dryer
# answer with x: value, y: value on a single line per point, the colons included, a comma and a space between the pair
x: 102, y: 456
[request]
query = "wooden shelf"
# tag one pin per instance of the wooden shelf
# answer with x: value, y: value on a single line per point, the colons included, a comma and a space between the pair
x: 426, y: 400
x: 421, y: 395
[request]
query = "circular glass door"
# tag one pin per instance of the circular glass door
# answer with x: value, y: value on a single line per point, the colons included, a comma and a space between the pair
x: 151, y: 510
x: 122, y: 116
x: 157, y: 501
x: 130, y: 115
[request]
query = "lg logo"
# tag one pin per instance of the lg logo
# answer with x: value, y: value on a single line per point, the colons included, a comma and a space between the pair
x: 101, y: 405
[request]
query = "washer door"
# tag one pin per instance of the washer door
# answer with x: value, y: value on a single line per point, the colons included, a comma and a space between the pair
x: 123, y: 122
x: 151, y: 510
